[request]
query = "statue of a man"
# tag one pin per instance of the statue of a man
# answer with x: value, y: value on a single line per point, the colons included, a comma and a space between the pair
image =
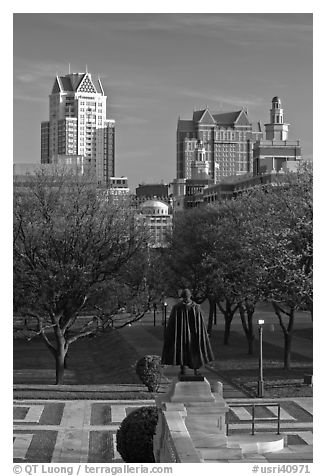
x: 186, y: 341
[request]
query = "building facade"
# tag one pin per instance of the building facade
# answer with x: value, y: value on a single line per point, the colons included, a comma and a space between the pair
x: 78, y: 126
x: 158, y: 218
x: 151, y: 190
x: 269, y: 155
x: 214, y: 146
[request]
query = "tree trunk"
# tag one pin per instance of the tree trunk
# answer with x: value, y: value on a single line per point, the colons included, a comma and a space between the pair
x: 211, y: 315
x: 287, y: 351
x: 251, y: 336
x: 251, y: 345
x: 227, y: 319
x: 59, y: 368
x: 246, y: 314
x: 60, y: 359
x: 287, y: 332
x: 227, y: 329
x: 228, y: 314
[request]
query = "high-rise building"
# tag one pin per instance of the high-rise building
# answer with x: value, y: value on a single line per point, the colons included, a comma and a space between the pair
x: 237, y: 154
x: 214, y: 146
x: 78, y: 126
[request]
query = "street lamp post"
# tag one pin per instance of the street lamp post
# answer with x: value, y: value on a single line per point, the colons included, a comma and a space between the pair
x: 260, y: 376
x: 154, y: 310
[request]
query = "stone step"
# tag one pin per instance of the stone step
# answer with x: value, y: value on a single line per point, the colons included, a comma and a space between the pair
x: 220, y: 453
x: 259, y: 443
x: 291, y: 455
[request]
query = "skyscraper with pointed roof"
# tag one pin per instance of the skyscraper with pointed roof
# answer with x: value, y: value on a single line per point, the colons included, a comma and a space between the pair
x: 214, y: 146
x: 78, y: 127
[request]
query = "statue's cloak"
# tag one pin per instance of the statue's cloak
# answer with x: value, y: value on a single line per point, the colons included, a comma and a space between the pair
x: 186, y: 341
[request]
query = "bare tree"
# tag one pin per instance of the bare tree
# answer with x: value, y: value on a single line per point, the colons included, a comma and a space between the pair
x: 71, y: 244
x: 281, y: 230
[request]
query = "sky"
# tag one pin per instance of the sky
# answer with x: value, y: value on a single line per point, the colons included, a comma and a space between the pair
x: 157, y: 67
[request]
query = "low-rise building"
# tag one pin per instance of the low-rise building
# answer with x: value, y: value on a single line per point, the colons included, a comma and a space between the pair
x: 118, y: 186
x: 276, y: 151
x: 151, y: 190
x: 158, y: 218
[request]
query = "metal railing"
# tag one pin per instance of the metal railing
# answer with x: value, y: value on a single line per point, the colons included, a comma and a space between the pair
x: 253, y: 416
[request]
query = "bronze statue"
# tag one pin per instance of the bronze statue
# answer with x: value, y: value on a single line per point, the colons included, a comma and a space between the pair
x: 186, y: 341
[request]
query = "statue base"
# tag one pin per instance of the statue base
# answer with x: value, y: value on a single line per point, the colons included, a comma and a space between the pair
x: 194, y: 419
x: 190, y: 378
x: 192, y: 390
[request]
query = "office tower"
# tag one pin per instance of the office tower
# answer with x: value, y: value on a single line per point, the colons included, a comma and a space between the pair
x: 78, y: 126
x: 214, y: 146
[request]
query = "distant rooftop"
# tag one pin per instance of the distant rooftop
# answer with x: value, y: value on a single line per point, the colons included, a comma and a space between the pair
x: 77, y: 82
x: 239, y: 117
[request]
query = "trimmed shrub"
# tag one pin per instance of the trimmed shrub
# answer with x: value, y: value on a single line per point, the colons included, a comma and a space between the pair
x: 135, y: 435
x: 148, y: 369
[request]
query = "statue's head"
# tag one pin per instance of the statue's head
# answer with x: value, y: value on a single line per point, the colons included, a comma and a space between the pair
x: 185, y: 294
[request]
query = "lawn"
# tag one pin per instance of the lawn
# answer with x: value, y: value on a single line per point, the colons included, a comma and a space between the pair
x: 233, y: 364
x: 108, y: 359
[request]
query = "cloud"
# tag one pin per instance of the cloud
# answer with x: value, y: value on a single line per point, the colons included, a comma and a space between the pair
x: 28, y: 98
x: 131, y: 154
x: 35, y: 75
x: 25, y: 78
x: 235, y: 28
x: 131, y: 121
x: 213, y: 96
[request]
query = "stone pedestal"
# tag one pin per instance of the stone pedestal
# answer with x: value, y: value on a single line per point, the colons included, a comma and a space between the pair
x: 191, y: 428
x: 190, y: 391
x: 192, y: 404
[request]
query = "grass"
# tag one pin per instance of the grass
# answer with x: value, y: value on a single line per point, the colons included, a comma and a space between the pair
x: 41, y: 448
x: 100, y: 447
x: 108, y: 359
x: 234, y: 365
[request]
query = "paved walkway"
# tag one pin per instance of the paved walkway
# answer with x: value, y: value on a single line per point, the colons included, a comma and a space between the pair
x: 299, y: 345
x: 84, y: 431
x: 144, y: 343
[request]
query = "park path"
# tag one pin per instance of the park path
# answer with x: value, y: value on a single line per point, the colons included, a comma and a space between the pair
x: 145, y: 342
x: 84, y: 431
x: 272, y: 332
